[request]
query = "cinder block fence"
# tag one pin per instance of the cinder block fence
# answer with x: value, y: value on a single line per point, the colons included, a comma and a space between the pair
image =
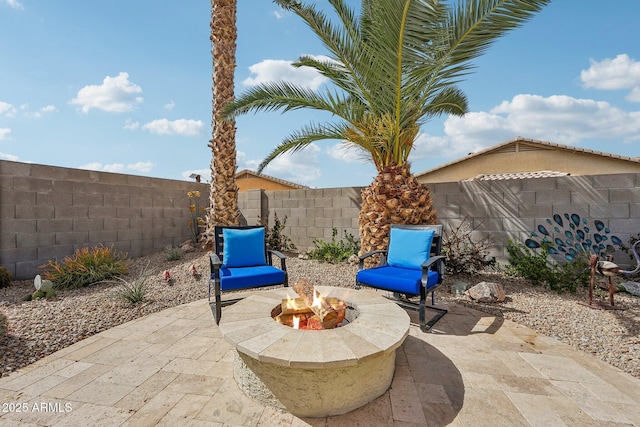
x: 48, y: 212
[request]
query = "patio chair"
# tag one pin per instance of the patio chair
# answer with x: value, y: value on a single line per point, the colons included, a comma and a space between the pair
x: 240, y: 260
x: 411, y: 267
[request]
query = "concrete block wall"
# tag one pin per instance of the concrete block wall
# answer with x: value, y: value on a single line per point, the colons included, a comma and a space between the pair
x: 512, y: 209
x: 502, y: 210
x: 48, y: 212
x: 310, y: 213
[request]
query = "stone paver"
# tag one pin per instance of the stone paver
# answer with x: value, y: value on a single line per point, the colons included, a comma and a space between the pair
x: 173, y: 368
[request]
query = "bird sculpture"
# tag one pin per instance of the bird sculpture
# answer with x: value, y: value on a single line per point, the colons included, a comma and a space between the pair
x: 609, y: 269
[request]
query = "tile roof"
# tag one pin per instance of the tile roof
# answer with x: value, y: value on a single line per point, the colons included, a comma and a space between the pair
x: 516, y: 175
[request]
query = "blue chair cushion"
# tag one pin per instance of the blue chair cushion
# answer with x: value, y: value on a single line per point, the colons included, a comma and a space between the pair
x: 249, y: 277
x: 409, y: 248
x: 243, y: 247
x: 396, y: 279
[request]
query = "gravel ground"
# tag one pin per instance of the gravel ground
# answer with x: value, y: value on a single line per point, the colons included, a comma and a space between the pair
x: 41, y: 327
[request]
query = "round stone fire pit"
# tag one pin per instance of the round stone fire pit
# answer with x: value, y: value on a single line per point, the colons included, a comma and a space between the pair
x: 315, y: 373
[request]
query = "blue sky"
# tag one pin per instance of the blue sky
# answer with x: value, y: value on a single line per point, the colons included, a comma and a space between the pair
x: 125, y: 86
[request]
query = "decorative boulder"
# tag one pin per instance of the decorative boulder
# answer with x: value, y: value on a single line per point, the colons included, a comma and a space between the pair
x: 632, y: 287
x: 487, y: 292
x: 459, y: 287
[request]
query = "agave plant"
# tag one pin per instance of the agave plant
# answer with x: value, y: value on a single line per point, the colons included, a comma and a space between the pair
x: 569, y: 236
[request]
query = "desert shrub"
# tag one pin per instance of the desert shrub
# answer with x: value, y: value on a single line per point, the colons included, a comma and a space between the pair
x: 85, y: 267
x: 540, y: 269
x: 133, y: 291
x: 335, y: 250
x: 172, y: 254
x: 275, y: 237
x: 462, y: 253
x: 5, y: 277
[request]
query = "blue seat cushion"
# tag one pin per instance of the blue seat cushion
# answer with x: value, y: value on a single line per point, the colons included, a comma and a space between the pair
x: 249, y: 277
x: 243, y: 247
x: 409, y: 248
x: 395, y: 279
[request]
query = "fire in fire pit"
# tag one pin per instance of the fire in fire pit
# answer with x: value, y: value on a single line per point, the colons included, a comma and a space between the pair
x: 312, y: 310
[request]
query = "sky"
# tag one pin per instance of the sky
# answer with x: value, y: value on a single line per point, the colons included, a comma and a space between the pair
x: 125, y: 86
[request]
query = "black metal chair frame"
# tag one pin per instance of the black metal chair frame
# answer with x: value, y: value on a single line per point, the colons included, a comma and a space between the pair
x: 216, y: 261
x: 434, y: 263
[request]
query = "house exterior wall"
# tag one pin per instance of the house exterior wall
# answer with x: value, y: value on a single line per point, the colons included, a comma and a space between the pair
x: 246, y: 183
x: 48, y: 212
x: 575, y: 163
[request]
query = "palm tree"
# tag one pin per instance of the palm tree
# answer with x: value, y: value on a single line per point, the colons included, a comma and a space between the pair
x: 223, y: 196
x: 393, y: 68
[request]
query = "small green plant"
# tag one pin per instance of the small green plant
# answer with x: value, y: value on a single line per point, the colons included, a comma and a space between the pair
x: 275, y: 237
x: 462, y: 253
x: 540, y: 269
x: 85, y: 267
x: 196, y: 222
x: 135, y: 290
x: 172, y: 254
x: 335, y: 250
x: 5, y: 277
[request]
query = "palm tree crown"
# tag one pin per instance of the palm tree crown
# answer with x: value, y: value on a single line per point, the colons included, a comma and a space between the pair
x: 393, y: 67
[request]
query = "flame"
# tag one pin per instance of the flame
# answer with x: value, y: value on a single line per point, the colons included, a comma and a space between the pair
x: 296, y: 322
x: 317, y: 299
x: 290, y: 303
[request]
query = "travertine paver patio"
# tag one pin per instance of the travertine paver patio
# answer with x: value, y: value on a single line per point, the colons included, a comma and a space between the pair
x: 173, y: 368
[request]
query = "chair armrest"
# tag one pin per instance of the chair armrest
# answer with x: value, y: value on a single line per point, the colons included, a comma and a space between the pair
x: 214, y: 262
x: 280, y: 255
x: 438, y: 260
x: 368, y: 254
x: 432, y: 260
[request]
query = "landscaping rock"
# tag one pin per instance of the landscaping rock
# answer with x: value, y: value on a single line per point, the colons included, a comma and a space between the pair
x: 459, y: 287
x: 487, y: 292
x: 632, y: 287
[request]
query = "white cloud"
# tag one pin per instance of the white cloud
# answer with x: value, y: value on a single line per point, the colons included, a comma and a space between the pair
x: 622, y: 72
x: 14, y: 4
x: 271, y: 70
x: 114, y: 95
x: 301, y: 167
x: 142, y: 167
x: 4, y: 133
x: 10, y: 157
x: 182, y: 127
x: 557, y: 118
x: 427, y: 146
x: 244, y: 163
x: 204, y: 173
x: 131, y: 125
x: 40, y: 112
x: 347, y: 153
x: 169, y: 106
x: 7, y: 109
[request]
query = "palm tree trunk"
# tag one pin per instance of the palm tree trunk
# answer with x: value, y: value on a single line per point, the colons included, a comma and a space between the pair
x: 394, y: 197
x: 223, y: 196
